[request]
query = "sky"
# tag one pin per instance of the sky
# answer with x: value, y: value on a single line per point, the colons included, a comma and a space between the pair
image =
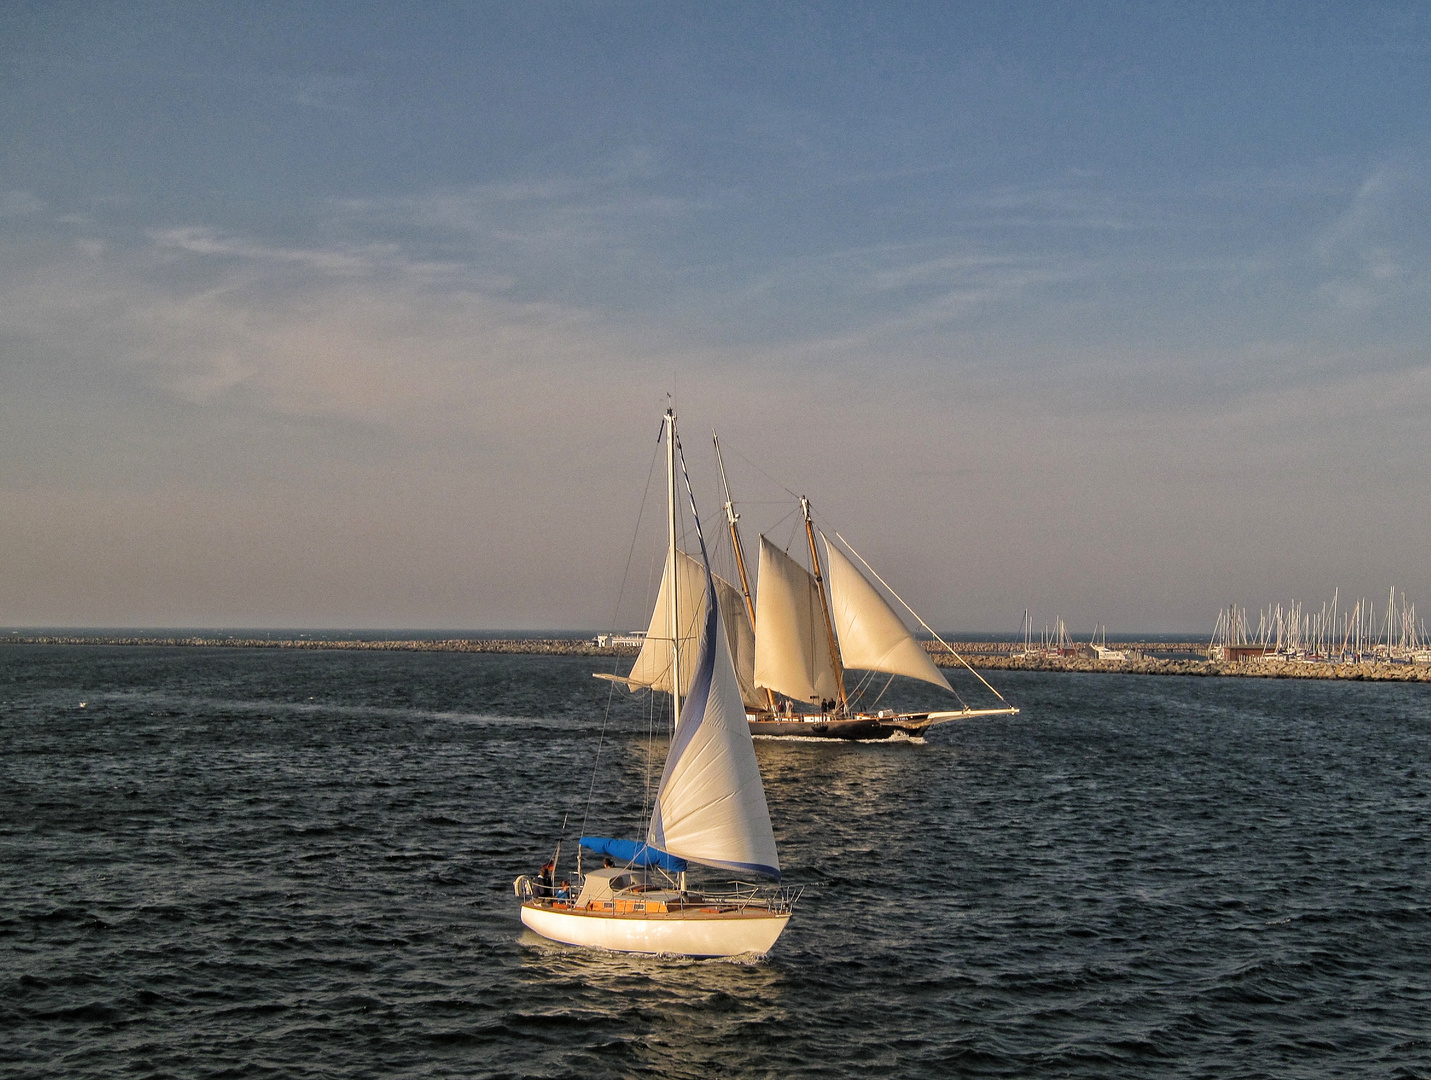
x: 364, y: 315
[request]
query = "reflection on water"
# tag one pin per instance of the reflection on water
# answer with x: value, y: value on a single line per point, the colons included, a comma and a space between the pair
x: 668, y: 1016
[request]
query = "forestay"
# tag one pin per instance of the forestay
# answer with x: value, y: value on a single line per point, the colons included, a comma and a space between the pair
x: 792, y: 648
x: 710, y: 806
x: 872, y: 637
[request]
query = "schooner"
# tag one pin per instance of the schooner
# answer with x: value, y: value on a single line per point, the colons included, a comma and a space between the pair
x: 793, y: 641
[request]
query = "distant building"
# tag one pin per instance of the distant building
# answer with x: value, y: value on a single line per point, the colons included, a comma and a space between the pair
x: 634, y: 637
x: 1101, y: 652
x: 1237, y: 654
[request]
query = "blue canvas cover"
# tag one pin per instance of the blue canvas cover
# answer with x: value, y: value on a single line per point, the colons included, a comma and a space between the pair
x: 633, y: 853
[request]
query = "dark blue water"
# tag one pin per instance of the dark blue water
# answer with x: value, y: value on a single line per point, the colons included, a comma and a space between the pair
x: 243, y: 863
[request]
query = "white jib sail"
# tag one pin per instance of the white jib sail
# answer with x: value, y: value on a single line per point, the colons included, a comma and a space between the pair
x: 792, y: 648
x: 710, y: 807
x: 652, y: 669
x: 872, y: 637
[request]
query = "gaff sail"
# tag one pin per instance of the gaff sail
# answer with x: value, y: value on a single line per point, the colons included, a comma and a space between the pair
x: 792, y: 648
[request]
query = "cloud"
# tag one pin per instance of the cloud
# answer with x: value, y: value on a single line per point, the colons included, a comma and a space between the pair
x: 363, y: 336
x: 1376, y: 249
x: 204, y: 241
x: 16, y: 204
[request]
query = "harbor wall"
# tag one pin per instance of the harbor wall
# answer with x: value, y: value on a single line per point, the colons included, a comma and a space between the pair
x: 986, y: 655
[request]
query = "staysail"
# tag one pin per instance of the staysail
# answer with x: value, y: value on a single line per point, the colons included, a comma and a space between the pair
x: 792, y: 647
x: 872, y: 637
x: 652, y: 669
x: 710, y: 807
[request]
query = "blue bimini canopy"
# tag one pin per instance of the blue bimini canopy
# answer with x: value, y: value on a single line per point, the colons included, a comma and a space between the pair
x: 633, y: 853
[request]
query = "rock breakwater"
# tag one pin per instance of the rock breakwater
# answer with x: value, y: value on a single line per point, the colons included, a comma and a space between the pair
x: 539, y: 646
x: 1255, y: 669
x: 988, y: 655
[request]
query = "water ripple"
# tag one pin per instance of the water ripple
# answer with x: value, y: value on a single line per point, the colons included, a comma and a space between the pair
x: 244, y: 863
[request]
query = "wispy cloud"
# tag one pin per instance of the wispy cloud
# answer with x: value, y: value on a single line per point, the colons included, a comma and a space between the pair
x: 20, y: 204
x: 1376, y: 249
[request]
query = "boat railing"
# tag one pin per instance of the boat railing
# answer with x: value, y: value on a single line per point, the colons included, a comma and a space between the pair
x: 779, y: 900
x: 527, y: 891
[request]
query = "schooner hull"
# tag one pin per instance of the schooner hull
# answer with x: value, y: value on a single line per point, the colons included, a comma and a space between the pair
x: 733, y: 933
x: 861, y: 728
x: 857, y: 729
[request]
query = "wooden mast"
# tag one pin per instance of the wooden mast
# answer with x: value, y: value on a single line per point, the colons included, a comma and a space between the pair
x: 838, y: 663
x: 674, y: 621
x: 731, y: 518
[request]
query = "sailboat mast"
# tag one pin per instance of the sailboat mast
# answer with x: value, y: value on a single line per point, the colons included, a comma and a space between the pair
x: 732, y: 518
x: 674, y: 621
x: 835, y: 659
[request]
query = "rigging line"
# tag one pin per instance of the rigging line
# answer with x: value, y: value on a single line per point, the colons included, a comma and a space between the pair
x: 650, y: 750
x: 616, y: 660
x: 922, y: 623
x: 888, y: 683
x: 691, y: 494
x: 762, y: 472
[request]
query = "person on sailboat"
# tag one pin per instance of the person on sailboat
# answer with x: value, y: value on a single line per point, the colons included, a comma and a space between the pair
x: 544, y: 882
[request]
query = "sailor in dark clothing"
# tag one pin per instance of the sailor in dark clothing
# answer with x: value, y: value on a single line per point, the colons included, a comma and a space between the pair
x: 544, y: 882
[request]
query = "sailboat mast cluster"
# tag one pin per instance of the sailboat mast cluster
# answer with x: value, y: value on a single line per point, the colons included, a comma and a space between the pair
x: 1335, y: 633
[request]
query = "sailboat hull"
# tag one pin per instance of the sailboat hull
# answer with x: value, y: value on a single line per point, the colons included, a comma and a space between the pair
x: 732, y: 933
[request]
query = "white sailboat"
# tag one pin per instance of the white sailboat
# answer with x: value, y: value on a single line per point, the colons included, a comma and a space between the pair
x: 709, y: 810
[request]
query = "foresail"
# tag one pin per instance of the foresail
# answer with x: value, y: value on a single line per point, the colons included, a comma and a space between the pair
x: 710, y: 807
x: 792, y: 647
x: 741, y: 637
x: 872, y: 637
x: 652, y: 669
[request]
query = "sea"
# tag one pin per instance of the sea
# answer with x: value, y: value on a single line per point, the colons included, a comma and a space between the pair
x: 223, y: 862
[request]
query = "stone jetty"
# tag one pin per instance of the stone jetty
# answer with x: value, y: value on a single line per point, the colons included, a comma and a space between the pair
x: 533, y: 646
x: 1255, y: 669
x: 985, y: 655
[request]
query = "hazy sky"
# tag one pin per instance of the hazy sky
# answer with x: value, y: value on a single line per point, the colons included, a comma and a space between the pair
x: 364, y: 314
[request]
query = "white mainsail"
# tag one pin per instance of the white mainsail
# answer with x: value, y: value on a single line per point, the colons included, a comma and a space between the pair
x: 792, y: 648
x: 652, y: 669
x: 872, y: 637
x: 710, y: 807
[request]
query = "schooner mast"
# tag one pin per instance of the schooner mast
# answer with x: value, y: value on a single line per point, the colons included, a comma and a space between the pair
x: 733, y: 519
x: 824, y: 606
